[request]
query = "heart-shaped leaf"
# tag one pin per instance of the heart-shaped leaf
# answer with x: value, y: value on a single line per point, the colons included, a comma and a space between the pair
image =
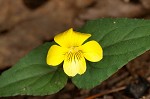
x: 121, y: 39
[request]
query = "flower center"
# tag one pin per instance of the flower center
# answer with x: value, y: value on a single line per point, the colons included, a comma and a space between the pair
x: 74, y: 54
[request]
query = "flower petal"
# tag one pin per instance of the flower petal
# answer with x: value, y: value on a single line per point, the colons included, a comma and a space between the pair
x: 55, y: 55
x: 74, y: 65
x: 92, y: 51
x: 71, y: 38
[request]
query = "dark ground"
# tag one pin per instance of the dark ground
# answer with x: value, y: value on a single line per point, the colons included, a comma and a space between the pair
x: 25, y: 24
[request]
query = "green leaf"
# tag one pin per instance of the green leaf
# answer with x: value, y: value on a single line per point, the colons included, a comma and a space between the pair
x: 32, y: 76
x: 121, y: 39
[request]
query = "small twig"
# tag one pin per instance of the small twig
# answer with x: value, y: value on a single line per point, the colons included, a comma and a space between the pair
x: 106, y: 92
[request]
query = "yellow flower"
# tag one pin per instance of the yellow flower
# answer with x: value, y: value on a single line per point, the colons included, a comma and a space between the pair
x: 73, y: 53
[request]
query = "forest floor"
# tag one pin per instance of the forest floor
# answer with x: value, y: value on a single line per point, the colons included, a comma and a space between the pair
x: 25, y: 24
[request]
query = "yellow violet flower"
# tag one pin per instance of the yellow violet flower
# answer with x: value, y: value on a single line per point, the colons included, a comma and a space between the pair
x: 73, y: 53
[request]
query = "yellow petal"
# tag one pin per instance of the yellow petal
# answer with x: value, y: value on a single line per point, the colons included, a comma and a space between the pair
x: 71, y: 38
x: 74, y: 64
x: 55, y: 55
x: 92, y: 51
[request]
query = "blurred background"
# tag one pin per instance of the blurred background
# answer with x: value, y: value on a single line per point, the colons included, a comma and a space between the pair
x: 25, y: 24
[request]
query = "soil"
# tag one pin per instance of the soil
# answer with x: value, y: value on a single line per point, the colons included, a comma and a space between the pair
x: 25, y: 24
